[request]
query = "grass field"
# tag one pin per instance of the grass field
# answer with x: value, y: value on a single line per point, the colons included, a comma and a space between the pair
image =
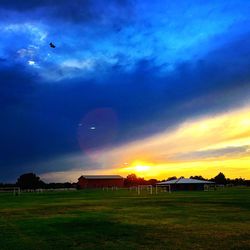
x: 122, y: 220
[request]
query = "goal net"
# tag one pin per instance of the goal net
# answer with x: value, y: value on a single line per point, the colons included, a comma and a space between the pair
x: 163, y: 188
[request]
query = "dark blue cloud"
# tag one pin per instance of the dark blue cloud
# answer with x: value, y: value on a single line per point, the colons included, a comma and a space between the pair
x: 16, y: 85
x: 78, y: 11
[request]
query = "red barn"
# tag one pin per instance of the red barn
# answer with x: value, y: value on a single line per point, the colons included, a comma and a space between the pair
x: 100, y: 181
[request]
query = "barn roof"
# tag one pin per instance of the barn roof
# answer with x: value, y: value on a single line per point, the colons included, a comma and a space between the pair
x: 185, y: 181
x: 99, y: 177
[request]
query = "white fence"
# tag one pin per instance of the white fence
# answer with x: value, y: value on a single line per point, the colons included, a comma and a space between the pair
x: 14, y: 190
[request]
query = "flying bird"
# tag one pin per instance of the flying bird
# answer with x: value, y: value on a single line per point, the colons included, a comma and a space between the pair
x: 52, y: 45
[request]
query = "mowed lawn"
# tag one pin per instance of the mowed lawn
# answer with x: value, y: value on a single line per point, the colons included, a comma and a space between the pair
x: 96, y: 219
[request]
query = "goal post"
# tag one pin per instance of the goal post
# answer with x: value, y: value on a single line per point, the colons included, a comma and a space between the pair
x: 162, y: 188
x: 148, y: 188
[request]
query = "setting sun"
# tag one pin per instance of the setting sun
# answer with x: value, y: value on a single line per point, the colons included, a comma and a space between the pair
x: 142, y: 168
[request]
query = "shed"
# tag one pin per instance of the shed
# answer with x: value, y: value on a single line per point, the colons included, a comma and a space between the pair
x: 185, y: 184
x: 100, y: 181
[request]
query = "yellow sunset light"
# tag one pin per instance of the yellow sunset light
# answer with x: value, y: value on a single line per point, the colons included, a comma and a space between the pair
x: 142, y: 168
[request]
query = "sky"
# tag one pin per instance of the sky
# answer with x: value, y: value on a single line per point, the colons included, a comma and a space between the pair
x: 156, y: 88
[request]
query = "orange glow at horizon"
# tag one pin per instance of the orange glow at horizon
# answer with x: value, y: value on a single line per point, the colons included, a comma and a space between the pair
x: 202, y: 146
x: 208, y: 169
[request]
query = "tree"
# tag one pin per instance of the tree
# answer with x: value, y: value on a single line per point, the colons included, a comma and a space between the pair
x: 133, y: 180
x: 239, y: 181
x: 29, y: 181
x: 171, y: 178
x: 197, y: 177
x: 132, y: 177
x: 152, y: 182
x: 220, y: 179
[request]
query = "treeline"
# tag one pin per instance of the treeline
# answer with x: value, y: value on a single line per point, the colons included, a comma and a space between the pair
x: 133, y: 180
x: 221, y: 179
x: 32, y: 181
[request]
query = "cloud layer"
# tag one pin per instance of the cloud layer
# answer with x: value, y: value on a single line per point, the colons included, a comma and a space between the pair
x: 147, y: 67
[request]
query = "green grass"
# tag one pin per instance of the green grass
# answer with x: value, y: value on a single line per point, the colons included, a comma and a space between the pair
x: 122, y: 220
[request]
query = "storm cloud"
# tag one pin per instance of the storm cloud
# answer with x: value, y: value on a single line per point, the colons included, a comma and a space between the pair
x: 109, y: 57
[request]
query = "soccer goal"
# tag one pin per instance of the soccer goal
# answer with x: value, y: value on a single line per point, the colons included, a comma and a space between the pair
x: 147, y: 188
x: 162, y: 188
x: 14, y: 190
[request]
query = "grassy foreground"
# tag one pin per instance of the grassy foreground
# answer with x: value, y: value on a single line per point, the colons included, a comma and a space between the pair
x: 123, y: 220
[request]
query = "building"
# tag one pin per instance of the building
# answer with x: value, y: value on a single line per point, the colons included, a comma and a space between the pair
x: 184, y: 184
x: 100, y: 181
